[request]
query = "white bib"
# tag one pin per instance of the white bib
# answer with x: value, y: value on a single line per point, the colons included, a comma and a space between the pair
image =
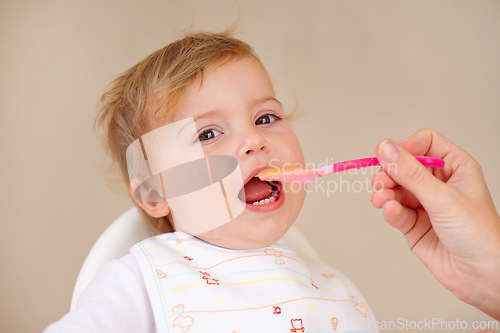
x: 198, y: 287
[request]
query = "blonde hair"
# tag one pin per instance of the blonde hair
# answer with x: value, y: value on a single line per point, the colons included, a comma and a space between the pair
x: 165, y: 73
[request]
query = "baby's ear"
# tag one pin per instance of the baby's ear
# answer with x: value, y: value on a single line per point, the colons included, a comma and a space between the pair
x: 153, y: 203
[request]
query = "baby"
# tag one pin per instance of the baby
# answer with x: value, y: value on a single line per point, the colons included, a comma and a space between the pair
x: 209, y: 269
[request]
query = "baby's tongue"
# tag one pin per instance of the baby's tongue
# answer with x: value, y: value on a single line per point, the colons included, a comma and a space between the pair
x: 256, y: 190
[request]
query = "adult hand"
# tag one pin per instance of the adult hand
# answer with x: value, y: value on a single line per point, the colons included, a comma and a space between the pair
x: 447, y: 215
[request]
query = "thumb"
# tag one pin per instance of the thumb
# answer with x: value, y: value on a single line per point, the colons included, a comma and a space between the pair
x: 405, y: 170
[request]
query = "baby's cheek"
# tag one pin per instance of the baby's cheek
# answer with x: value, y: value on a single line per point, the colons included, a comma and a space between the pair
x: 295, y: 193
x: 295, y: 152
x: 289, y: 141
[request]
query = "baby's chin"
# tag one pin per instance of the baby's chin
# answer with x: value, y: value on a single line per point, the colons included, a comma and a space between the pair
x: 228, y: 238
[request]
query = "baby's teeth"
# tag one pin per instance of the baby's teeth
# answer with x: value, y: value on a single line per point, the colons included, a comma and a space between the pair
x: 265, y: 201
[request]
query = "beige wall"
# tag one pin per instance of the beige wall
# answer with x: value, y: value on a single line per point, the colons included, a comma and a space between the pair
x: 358, y: 70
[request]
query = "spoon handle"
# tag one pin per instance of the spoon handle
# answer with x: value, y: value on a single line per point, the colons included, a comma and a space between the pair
x: 373, y: 161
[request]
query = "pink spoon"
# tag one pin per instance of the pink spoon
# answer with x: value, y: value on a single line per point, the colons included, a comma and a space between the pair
x: 304, y: 176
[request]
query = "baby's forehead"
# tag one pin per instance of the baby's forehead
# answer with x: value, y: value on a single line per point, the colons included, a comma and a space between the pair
x: 161, y: 106
x: 212, y: 87
x: 157, y: 112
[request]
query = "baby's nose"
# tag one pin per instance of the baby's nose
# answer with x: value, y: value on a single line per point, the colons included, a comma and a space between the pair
x: 251, y: 150
x: 253, y: 142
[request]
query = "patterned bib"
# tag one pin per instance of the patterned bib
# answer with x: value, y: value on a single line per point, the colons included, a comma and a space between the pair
x: 198, y: 287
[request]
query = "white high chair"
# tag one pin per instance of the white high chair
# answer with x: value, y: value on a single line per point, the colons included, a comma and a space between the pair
x: 129, y: 228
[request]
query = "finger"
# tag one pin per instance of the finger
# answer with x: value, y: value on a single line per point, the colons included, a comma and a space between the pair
x: 426, y: 142
x: 409, y: 173
x: 382, y: 180
x: 413, y: 224
x: 399, y: 194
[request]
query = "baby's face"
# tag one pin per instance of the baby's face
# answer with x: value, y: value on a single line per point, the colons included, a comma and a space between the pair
x: 236, y: 113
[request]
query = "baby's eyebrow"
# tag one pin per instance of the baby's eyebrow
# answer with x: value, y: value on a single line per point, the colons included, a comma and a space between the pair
x: 208, y: 114
x: 264, y: 100
x: 254, y: 103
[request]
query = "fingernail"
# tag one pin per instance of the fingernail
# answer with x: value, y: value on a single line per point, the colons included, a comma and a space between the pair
x: 389, y: 151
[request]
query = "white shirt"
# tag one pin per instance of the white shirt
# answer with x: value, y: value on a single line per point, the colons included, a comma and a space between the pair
x: 117, y: 301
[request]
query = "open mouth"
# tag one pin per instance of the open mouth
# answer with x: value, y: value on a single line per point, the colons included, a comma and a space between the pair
x: 258, y: 193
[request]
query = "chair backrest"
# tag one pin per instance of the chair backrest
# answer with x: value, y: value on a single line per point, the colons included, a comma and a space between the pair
x: 129, y: 228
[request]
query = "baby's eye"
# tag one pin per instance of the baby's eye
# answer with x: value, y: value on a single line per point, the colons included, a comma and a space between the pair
x: 208, y: 134
x: 266, y: 119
